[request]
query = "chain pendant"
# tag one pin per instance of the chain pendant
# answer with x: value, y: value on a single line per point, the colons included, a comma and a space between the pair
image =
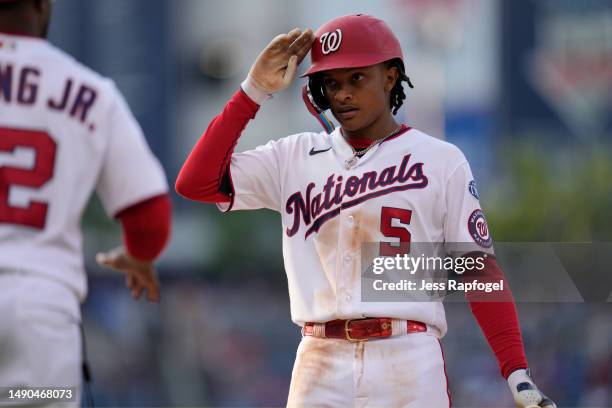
x: 351, y: 162
x: 348, y: 163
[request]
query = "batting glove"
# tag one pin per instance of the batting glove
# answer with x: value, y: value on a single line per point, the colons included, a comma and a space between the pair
x: 526, y: 394
x: 276, y: 66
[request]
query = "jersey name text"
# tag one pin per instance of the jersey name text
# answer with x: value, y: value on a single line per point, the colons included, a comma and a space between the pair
x: 21, y: 86
x: 336, y: 190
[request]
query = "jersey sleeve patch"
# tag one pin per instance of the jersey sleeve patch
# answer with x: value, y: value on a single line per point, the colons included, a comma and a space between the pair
x: 479, y: 230
x: 473, y: 190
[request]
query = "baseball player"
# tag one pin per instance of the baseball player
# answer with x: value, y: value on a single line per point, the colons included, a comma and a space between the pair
x: 370, y: 180
x: 65, y: 131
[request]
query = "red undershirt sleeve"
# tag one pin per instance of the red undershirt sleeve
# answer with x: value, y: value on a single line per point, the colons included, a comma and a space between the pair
x: 146, y: 227
x: 496, y: 315
x: 203, y: 173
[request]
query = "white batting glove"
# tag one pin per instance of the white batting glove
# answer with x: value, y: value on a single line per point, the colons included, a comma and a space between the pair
x: 526, y: 394
x: 275, y: 67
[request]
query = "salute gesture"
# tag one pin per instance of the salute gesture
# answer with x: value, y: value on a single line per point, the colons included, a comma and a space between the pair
x: 275, y: 68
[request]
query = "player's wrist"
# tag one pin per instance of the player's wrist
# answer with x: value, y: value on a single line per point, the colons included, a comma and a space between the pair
x: 138, y: 262
x: 526, y: 394
x: 519, y: 376
x: 253, y: 91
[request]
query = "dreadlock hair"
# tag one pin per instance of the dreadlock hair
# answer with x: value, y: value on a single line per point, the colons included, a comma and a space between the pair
x: 11, y: 5
x: 397, y: 96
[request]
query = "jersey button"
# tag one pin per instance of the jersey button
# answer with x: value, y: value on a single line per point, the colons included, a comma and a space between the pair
x: 347, y: 258
x: 350, y: 220
x: 347, y: 298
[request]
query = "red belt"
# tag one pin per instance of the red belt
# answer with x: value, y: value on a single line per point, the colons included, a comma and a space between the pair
x: 359, y: 329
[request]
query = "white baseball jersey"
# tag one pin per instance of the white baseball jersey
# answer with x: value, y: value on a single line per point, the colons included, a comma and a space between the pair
x: 409, y: 188
x: 64, y: 131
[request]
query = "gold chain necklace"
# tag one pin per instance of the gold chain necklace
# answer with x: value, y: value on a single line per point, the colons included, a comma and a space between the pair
x: 350, y: 162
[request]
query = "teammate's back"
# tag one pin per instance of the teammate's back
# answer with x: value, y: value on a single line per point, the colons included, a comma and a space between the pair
x: 64, y: 131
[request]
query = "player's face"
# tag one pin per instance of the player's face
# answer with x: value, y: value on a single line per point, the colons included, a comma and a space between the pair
x: 358, y: 97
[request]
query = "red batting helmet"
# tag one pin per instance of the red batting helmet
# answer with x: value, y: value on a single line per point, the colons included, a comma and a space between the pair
x: 353, y: 41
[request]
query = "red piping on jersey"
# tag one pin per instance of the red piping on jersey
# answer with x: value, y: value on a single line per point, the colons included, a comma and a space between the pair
x: 20, y: 34
x: 360, y: 143
x: 405, y: 128
x: 146, y: 227
x: 450, y: 401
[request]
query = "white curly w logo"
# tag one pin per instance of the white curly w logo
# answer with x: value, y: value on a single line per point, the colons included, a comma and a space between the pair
x: 330, y: 41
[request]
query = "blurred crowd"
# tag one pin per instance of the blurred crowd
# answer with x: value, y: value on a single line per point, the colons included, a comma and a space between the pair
x: 218, y: 344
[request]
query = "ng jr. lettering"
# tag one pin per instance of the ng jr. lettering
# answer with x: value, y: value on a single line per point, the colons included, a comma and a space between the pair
x: 20, y: 86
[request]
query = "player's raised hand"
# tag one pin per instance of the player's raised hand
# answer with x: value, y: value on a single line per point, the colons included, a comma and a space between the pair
x: 275, y: 68
x: 140, y: 275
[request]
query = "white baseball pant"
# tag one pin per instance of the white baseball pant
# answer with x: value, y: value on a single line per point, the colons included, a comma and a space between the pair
x: 40, y: 339
x: 402, y: 371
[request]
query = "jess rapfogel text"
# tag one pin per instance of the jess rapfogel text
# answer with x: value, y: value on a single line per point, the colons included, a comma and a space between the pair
x: 451, y: 285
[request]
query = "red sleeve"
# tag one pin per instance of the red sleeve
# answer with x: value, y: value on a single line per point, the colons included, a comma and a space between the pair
x: 146, y: 227
x: 202, y: 173
x: 496, y: 315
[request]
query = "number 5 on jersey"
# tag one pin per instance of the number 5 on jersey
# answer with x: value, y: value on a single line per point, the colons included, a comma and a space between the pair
x: 389, y: 230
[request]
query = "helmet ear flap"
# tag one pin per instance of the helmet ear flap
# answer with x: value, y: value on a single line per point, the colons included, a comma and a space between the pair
x: 316, y: 91
x: 317, y: 111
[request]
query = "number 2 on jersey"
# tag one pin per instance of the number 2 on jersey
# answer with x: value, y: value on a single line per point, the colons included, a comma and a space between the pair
x: 387, y: 215
x: 35, y: 213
